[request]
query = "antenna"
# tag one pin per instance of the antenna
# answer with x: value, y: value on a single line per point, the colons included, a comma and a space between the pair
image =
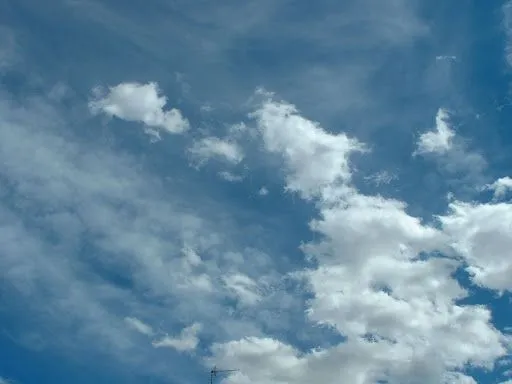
x: 214, y: 372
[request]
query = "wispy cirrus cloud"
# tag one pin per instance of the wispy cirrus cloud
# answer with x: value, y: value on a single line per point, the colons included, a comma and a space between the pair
x: 139, y: 326
x: 92, y: 244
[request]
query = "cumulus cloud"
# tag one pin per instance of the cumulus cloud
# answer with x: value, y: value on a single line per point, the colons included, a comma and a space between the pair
x: 139, y: 103
x: 314, y: 158
x: 481, y: 234
x: 398, y: 309
x: 439, y: 140
x: 376, y: 279
x: 213, y: 147
x: 186, y: 341
x: 92, y: 237
x: 501, y: 187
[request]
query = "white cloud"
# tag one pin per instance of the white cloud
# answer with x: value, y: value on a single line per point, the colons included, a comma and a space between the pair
x: 398, y: 311
x: 139, y: 326
x: 263, y: 191
x: 501, y: 187
x: 313, y: 157
x: 446, y: 57
x: 266, y: 360
x: 368, y: 281
x: 441, y: 139
x: 141, y: 233
x: 139, y: 103
x: 243, y: 287
x: 231, y: 177
x: 451, y: 151
x: 382, y: 177
x: 165, y: 242
x: 187, y: 340
x: 482, y: 234
x: 213, y: 147
x: 457, y: 378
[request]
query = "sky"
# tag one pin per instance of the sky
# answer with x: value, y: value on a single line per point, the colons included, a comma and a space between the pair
x: 302, y: 191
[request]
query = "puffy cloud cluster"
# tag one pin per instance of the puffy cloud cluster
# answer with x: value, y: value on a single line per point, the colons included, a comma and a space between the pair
x: 482, y: 235
x: 385, y: 279
x: 501, y: 187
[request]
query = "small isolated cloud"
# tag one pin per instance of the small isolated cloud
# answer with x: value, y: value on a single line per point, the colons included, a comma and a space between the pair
x: 186, y: 341
x: 138, y: 103
x: 231, y: 177
x: 382, y: 177
x: 450, y: 150
x: 263, y: 191
x: 206, y: 108
x: 439, y: 140
x: 213, y: 147
x: 501, y: 187
x: 446, y: 57
x: 315, y: 157
x: 139, y: 326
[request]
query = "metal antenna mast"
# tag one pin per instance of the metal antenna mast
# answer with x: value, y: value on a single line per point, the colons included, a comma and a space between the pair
x: 214, y: 372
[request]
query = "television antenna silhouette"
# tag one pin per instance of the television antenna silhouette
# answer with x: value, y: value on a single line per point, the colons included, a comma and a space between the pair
x: 214, y: 372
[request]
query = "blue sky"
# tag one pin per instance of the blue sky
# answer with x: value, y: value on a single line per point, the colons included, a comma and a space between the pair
x: 302, y: 191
